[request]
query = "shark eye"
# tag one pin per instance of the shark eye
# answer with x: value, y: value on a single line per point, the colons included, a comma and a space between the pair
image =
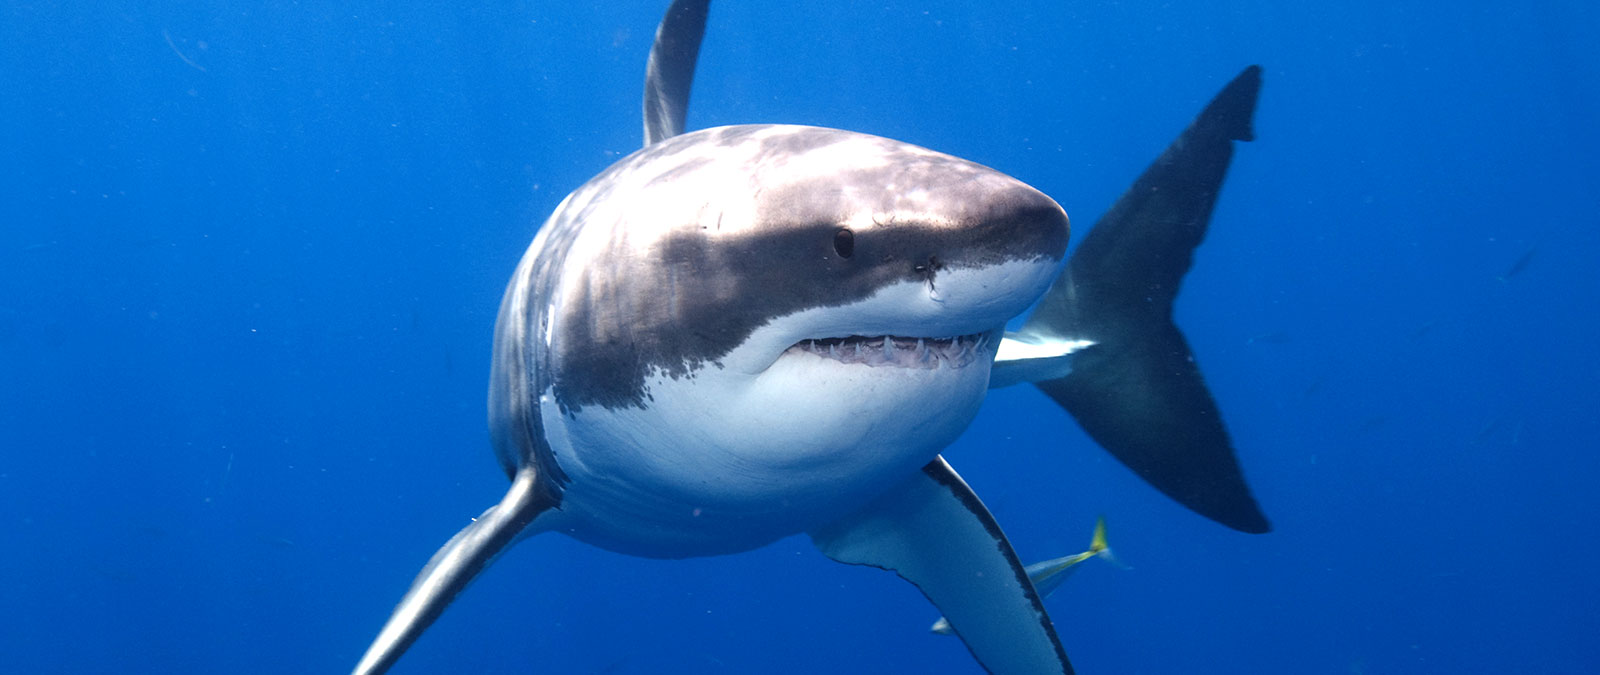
x: 844, y: 242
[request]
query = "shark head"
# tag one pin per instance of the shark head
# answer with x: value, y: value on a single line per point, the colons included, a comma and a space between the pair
x: 740, y: 320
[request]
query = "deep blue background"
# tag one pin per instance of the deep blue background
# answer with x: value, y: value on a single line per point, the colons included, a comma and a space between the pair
x: 251, y: 256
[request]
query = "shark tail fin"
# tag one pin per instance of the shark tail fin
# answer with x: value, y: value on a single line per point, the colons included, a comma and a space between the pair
x: 454, y: 566
x: 1137, y: 389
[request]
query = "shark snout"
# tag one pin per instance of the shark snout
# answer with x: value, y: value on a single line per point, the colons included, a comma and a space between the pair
x: 1020, y: 223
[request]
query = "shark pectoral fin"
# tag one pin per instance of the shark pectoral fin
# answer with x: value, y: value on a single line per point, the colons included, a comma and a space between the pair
x: 669, y: 74
x: 1137, y: 391
x: 454, y: 566
x: 1048, y: 575
x: 934, y: 532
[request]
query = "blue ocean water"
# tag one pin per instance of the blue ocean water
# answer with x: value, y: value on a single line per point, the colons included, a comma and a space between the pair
x: 252, y: 254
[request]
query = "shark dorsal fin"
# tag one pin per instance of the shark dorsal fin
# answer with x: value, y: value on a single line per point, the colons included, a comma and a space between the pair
x: 670, y: 72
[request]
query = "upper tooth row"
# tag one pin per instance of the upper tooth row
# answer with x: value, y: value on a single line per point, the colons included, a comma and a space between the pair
x: 887, y: 344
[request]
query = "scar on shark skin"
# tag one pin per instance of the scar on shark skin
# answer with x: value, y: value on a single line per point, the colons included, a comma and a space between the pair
x: 168, y: 37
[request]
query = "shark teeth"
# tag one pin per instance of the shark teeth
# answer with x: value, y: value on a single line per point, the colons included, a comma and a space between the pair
x: 900, y: 352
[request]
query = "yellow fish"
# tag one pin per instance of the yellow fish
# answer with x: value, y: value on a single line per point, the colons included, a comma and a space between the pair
x: 1048, y: 575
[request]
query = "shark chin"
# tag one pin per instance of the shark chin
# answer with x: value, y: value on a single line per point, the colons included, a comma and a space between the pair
x: 722, y: 462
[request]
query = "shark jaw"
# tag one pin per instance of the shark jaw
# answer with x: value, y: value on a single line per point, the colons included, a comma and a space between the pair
x: 808, y: 419
x: 892, y: 351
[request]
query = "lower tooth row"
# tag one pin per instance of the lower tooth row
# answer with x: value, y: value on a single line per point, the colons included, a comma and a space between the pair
x: 926, y: 352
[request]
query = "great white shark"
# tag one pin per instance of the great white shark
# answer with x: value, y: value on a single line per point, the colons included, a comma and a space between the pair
x: 743, y: 333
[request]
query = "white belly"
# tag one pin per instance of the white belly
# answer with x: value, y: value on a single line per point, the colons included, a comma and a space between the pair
x: 725, y: 462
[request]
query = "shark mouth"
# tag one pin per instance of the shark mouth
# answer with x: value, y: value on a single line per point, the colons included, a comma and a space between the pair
x: 898, y: 352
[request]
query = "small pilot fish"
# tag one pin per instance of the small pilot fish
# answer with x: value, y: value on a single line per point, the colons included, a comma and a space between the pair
x: 1048, y: 575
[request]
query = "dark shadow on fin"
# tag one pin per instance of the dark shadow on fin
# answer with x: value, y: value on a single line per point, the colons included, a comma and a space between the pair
x: 670, y: 73
x: 1138, y: 391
